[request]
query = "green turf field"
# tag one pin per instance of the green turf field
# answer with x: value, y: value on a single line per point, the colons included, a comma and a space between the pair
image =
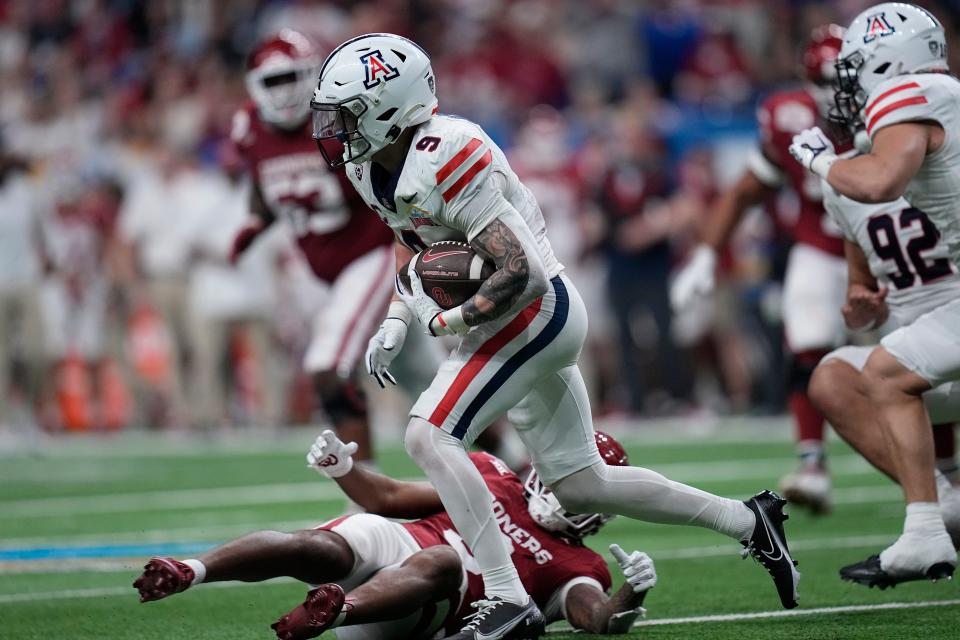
x: 96, y: 497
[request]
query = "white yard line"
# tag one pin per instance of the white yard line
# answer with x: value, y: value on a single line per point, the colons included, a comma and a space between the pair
x: 852, y: 608
x: 734, y: 617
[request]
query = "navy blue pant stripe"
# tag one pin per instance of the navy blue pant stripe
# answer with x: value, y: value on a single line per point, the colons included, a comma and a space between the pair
x: 545, y: 337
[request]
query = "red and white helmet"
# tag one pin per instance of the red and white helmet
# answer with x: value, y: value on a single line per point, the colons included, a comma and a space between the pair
x: 886, y: 40
x: 281, y: 75
x: 546, y: 510
x: 820, y: 54
x: 819, y: 64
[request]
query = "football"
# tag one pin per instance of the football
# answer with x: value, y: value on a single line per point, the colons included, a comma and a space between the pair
x: 451, y: 272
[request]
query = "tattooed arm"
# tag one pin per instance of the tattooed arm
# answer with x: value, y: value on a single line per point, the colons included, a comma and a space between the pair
x: 498, y: 233
x: 498, y: 244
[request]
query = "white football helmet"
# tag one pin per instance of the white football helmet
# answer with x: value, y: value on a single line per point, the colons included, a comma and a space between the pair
x: 281, y: 72
x: 546, y: 510
x: 371, y: 88
x: 886, y: 40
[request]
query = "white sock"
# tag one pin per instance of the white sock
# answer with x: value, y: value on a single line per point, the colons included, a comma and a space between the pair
x: 646, y: 495
x: 923, y: 518
x: 199, y: 570
x: 469, y: 504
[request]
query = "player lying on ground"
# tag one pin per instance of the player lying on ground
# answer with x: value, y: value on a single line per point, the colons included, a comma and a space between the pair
x: 381, y: 579
x: 897, y: 270
x: 893, y: 76
x: 437, y: 178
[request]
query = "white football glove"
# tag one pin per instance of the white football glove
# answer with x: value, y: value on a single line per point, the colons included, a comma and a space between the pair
x: 330, y: 456
x: 813, y: 149
x: 695, y: 280
x: 435, y: 321
x: 637, y: 568
x: 384, y: 346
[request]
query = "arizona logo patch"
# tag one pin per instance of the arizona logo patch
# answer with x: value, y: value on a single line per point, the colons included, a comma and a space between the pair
x: 877, y: 27
x: 377, y: 69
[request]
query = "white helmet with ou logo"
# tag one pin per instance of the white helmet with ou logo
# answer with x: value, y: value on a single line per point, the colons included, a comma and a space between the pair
x: 886, y: 40
x: 281, y: 72
x: 371, y: 88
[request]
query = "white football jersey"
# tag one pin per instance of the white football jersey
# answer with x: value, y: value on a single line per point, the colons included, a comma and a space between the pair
x: 437, y: 194
x: 904, y: 250
x: 935, y: 189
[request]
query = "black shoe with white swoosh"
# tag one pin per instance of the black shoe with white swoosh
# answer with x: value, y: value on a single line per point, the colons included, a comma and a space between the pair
x: 870, y: 573
x: 768, y: 545
x: 496, y: 619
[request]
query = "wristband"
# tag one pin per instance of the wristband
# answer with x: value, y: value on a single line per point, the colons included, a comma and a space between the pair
x: 821, y: 164
x: 398, y: 309
x: 870, y: 326
x: 449, y: 322
x: 453, y: 320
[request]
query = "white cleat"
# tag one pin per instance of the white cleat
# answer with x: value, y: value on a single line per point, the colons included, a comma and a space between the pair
x: 808, y: 487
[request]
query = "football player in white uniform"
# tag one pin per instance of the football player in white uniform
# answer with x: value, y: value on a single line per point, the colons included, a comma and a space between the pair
x: 898, y: 271
x: 434, y: 178
x: 893, y: 76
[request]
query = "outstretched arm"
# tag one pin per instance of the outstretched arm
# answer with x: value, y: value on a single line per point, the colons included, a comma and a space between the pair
x: 373, y: 491
x: 388, y: 497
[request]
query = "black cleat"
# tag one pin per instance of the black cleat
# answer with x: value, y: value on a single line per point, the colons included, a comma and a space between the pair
x: 768, y: 545
x: 496, y: 619
x: 869, y: 573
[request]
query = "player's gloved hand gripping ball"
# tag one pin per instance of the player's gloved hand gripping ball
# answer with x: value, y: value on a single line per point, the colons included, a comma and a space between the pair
x: 435, y: 320
x: 330, y: 456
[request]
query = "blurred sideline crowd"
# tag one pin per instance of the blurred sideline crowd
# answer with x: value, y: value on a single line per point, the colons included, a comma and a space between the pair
x: 120, y: 196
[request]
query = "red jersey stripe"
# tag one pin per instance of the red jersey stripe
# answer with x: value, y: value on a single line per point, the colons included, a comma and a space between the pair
x: 902, y: 87
x: 480, y: 358
x: 469, y: 175
x: 454, y: 163
x: 899, y: 104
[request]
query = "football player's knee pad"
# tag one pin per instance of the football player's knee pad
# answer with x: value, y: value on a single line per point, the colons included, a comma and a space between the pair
x: 342, y: 399
x: 801, y: 369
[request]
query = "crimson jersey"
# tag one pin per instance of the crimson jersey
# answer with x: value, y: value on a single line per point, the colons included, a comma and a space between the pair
x: 331, y: 223
x: 781, y: 116
x: 544, y: 561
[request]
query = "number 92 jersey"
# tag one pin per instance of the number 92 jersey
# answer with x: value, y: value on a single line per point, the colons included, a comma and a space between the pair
x: 904, y: 251
x: 438, y: 193
x: 926, y: 97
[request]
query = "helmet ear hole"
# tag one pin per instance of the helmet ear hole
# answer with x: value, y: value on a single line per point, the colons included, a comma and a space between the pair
x: 393, y: 132
x: 386, y: 115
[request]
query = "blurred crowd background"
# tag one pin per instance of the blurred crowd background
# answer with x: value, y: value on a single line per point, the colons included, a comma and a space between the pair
x: 119, y: 197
